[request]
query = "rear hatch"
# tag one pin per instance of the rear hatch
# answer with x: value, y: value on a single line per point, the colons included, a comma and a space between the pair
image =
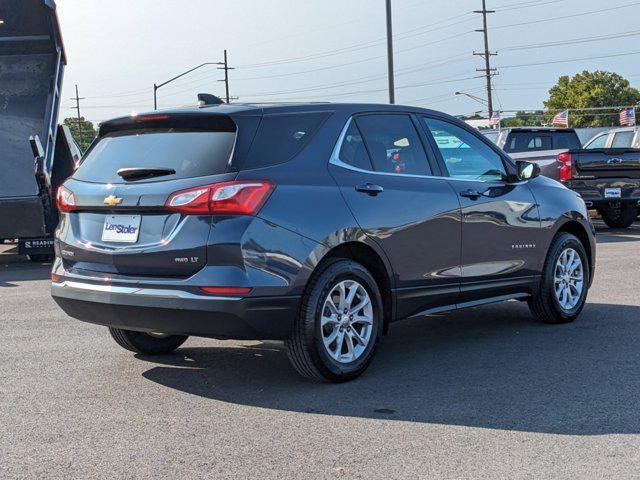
x: 607, y: 163
x: 119, y: 224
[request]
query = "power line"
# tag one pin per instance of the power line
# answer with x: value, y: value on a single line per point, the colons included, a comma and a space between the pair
x: 521, y: 5
x: 566, y: 16
x: 576, y: 41
x: 547, y: 62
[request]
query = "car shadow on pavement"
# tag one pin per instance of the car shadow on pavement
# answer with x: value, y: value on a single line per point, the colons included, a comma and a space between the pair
x: 491, y: 367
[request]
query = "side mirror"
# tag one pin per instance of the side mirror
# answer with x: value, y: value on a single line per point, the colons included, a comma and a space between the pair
x: 527, y: 170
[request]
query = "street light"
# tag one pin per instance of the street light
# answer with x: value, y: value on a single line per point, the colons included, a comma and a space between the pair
x: 156, y: 87
x: 473, y: 97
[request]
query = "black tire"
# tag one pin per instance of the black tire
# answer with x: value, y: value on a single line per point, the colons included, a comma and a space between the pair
x: 622, y: 218
x: 41, y: 258
x: 141, y: 342
x: 544, y: 305
x: 305, y: 347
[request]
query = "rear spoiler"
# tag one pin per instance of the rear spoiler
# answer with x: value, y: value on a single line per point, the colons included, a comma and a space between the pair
x: 188, y: 121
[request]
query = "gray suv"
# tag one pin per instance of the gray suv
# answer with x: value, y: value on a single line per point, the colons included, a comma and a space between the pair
x: 316, y: 224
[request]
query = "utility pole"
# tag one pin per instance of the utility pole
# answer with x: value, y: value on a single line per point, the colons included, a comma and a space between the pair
x: 487, y: 54
x: 77, y: 99
x: 226, y: 69
x: 392, y: 97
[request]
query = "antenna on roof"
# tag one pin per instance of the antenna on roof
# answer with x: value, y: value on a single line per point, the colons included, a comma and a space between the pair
x: 208, y: 99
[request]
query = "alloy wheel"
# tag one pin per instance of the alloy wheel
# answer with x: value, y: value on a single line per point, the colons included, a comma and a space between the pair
x: 346, y: 321
x: 568, y: 279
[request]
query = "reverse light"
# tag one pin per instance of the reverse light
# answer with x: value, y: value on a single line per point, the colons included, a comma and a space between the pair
x: 565, y: 166
x: 65, y: 199
x: 226, y: 198
x: 226, y: 290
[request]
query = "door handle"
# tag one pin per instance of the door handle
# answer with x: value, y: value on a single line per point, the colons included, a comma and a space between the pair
x: 369, y: 189
x: 472, y: 194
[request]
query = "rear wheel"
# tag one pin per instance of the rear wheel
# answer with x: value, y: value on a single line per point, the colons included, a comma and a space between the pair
x: 620, y: 218
x: 337, y: 330
x: 147, y: 343
x: 565, y: 282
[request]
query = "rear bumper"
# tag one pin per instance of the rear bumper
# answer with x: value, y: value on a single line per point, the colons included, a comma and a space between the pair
x: 176, y: 311
x: 593, y: 192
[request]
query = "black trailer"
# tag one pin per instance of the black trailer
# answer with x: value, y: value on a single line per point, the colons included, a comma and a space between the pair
x: 36, y: 154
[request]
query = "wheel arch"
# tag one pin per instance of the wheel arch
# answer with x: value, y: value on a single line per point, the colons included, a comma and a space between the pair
x: 376, y: 263
x: 577, y: 229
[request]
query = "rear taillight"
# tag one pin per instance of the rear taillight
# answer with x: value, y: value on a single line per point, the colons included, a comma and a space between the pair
x: 65, y: 200
x: 565, y: 166
x: 227, y: 198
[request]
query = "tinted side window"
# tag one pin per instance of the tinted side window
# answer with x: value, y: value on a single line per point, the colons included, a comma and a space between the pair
x: 282, y: 136
x: 352, y: 151
x: 622, y: 140
x: 598, y: 142
x: 393, y: 144
x: 465, y: 156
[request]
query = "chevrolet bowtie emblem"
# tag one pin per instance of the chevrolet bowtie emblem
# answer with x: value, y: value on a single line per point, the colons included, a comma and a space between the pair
x: 111, y: 200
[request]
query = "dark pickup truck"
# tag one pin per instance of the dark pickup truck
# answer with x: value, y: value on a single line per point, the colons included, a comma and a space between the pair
x: 607, y: 179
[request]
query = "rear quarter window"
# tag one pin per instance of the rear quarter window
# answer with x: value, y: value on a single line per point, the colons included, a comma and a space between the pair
x: 280, y: 137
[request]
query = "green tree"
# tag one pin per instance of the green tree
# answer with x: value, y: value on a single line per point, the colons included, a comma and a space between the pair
x: 88, y: 131
x: 588, y: 90
x: 525, y: 119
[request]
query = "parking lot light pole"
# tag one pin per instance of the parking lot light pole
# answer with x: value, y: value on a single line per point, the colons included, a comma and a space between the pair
x: 156, y: 87
x: 392, y: 96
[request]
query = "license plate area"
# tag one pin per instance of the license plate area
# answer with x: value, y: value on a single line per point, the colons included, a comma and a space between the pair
x: 612, y: 193
x: 121, y: 228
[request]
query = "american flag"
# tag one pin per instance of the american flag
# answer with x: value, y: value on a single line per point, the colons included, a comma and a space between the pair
x: 628, y: 117
x: 495, y: 119
x: 562, y: 118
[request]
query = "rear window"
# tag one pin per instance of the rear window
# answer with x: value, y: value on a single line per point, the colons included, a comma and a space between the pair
x: 534, y: 141
x: 189, y: 153
x: 282, y: 136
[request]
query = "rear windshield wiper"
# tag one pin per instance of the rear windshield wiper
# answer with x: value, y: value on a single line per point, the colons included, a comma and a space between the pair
x: 137, y: 173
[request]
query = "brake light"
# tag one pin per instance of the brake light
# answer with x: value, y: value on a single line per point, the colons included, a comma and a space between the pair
x: 227, y: 198
x: 65, y: 200
x: 226, y: 290
x: 565, y: 167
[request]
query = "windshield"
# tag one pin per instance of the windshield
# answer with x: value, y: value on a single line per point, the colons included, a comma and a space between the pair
x: 188, y: 153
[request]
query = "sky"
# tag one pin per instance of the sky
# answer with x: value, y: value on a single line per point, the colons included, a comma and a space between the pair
x: 335, y: 50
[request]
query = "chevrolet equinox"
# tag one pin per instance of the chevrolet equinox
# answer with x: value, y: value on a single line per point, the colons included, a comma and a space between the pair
x: 316, y: 224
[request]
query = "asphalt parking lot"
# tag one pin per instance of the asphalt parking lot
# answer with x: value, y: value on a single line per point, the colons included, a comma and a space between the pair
x: 482, y: 393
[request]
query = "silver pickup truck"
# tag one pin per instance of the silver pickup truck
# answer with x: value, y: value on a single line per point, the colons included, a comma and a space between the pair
x: 540, y: 145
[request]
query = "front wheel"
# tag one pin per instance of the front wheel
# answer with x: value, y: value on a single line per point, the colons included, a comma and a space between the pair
x: 147, y: 343
x: 336, y: 333
x: 564, y: 283
x: 622, y: 218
